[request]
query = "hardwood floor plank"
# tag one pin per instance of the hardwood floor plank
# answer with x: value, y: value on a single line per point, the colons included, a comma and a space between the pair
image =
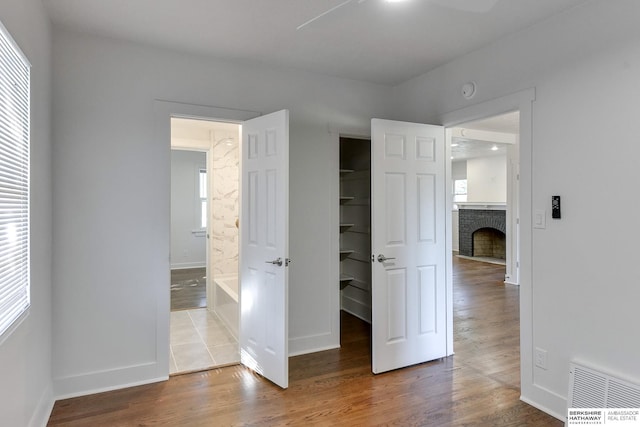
x: 479, y: 386
x: 188, y: 288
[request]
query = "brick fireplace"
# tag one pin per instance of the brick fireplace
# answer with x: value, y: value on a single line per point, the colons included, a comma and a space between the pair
x: 482, y: 232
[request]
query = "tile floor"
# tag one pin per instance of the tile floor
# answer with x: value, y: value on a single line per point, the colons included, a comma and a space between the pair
x: 199, y: 340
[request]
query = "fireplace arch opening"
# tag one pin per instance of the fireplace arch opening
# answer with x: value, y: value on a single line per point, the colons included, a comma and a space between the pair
x: 489, y: 242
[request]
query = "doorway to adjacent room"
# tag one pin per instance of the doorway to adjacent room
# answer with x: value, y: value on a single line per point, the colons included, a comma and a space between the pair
x: 204, y: 245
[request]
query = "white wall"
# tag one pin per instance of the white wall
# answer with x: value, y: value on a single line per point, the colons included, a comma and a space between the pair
x: 111, y: 186
x: 487, y: 179
x: 584, y: 67
x: 188, y: 250
x: 459, y: 169
x: 26, y: 395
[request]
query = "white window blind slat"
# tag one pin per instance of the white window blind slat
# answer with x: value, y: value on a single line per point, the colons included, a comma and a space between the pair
x: 14, y: 182
x: 7, y: 133
x: 8, y: 263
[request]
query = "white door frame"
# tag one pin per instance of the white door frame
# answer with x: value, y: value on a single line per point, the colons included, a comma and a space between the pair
x: 523, y: 102
x: 163, y: 112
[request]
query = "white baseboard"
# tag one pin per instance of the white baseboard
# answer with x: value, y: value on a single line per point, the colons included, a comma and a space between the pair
x: 313, y: 350
x: 41, y: 415
x: 186, y: 265
x: 114, y: 379
x: 546, y: 400
x: 313, y: 343
x: 544, y: 409
x: 356, y: 308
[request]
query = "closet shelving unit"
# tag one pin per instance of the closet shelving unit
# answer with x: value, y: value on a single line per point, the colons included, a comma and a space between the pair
x: 344, y: 252
x: 355, y: 220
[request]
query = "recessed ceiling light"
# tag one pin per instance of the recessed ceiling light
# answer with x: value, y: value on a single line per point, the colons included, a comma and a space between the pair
x: 395, y: 1
x: 455, y: 144
x: 494, y: 148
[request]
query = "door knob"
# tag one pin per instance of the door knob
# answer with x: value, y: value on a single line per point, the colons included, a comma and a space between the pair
x: 277, y: 262
x: 382, y: 258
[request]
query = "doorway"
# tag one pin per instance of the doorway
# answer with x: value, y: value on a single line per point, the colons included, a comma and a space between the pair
x: 188, y: 229
x: 484, y: 175
x: 355, y: 227
x: 485, y: 240
x: 204, y: 210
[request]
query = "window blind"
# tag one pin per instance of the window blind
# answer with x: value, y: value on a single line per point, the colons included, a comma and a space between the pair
x: 14, y: 182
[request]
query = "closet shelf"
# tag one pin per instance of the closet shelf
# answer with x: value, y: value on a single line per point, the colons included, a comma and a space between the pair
x: 356, y: 256
x: 344, y: 227
x: 359, y: 284
x: 344, y: 253
x: 346, y: 278
x: 344, y: 199
x: 355, y: 229
x: 355, y: 201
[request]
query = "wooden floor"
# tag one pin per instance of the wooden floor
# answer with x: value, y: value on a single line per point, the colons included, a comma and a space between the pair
x: 188, y: 288
x: 479, y: 386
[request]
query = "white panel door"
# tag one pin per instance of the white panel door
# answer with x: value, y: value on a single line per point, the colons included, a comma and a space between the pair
x: 264, y: 246
x: 408, y: 213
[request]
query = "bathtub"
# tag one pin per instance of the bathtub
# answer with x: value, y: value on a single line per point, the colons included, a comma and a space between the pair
x: 226, y: 302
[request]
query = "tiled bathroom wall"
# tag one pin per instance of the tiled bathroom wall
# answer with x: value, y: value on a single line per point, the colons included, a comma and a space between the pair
x: 224, y: 195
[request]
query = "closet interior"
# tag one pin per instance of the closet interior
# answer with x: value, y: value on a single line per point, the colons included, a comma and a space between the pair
x: 355, y: 227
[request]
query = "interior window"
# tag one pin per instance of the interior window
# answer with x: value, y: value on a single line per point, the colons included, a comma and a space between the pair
x: 203, y: 198
x: 14, y: 184
x: 459, y: 190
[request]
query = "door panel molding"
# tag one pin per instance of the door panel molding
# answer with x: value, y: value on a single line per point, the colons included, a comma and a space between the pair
x: 264, y: 246
x: 408, y: 203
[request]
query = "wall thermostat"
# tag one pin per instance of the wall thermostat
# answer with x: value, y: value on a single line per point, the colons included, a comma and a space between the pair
x: 555, y: 207
x: 468, y: 90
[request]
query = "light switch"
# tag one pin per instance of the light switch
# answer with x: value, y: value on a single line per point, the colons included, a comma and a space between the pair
x: 539, y: 218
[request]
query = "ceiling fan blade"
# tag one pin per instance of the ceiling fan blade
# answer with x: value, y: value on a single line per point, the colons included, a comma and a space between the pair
x: 344, y: 3
x: 476, y: 6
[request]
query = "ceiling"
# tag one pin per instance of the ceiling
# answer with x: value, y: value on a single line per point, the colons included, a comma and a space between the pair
x: 471, y: 149
x: 466, y: 148
x: 374, y: 40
